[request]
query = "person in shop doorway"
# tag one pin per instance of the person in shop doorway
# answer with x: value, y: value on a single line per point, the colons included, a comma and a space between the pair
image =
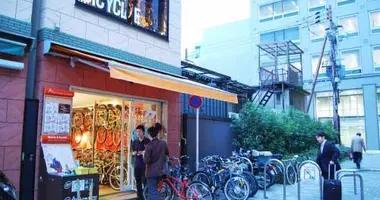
x: 154, y: 158
x: 162, y: 136
x: 328, y: 156
x: 357, y: 147
x: 138, y: 148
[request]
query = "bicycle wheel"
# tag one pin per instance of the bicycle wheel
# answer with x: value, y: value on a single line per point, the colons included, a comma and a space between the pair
x: 291, y: 174
x: 198, y: 190
x: 114, y: 177
x: 260, y: 180
x: 253, y: 186
x: 165, y: 192
x: 101, y: 135
x: 236, y: 188
x: 202, y: 177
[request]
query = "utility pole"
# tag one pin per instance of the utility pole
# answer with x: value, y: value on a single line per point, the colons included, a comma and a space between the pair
x: 332, y: 34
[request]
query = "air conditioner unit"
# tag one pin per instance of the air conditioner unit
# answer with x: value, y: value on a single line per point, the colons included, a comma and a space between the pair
x: 233, y: 115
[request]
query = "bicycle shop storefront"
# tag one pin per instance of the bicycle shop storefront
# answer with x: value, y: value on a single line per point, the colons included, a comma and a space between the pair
x: 109, y: 100
x: 103, y: 128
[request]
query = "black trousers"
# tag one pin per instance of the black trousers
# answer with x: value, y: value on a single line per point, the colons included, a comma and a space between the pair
x: 140, y: 181
x: 357, y: 157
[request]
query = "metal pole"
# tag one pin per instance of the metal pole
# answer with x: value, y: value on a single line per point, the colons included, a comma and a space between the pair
x: 30, y: 120
x: 354, y: 183
x: 333, y: 48
x: 122, y: 152
x: 197, y: 139
x: 316, y: 74
x: 360, y: 180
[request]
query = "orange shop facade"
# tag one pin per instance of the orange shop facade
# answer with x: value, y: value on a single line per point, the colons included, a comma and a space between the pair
x: 110, y: 98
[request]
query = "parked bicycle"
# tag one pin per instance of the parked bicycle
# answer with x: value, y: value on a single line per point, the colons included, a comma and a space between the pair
x: 181, y: 186
x: 109, y: 168
x: 228, y: 176
x: 7, y: 189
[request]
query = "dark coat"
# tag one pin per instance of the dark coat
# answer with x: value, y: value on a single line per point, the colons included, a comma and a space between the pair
x: 330, y: 153
x: 155, y: 158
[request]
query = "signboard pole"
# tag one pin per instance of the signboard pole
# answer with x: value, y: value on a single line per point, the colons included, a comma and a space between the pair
x: 197, y: 139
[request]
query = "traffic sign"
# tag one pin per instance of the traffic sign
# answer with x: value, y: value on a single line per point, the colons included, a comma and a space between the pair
x: 195, y: 101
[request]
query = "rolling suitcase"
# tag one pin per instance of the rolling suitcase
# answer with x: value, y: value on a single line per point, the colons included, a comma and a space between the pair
x: 332, y: 189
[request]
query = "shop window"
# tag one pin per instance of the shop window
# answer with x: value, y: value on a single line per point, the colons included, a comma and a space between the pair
x: 317, y: 32
x: 317, y: 5
x: 345, y: 2
x: 322, y: 69
x: 350, y: 25
x: 375, y: 21
x: 351, y: 62
x: 281, y: 35
x: 376, y: 58
x: 278, y: 10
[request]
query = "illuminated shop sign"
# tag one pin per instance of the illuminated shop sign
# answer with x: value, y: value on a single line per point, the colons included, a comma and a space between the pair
x: 149, y: 15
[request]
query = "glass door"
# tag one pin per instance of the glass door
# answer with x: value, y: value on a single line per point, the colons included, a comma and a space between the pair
x: 126, y: 176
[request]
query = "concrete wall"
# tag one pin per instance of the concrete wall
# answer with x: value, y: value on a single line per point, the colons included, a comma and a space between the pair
x: 17, y: 9
x: 104, y: 30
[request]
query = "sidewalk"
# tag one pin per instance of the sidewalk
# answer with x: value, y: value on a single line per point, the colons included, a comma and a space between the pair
x: 310, y: 191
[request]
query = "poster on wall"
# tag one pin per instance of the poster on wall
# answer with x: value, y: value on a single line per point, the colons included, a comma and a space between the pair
x: 149, y: 15
x: 58, y: 158
x: 56, y: 112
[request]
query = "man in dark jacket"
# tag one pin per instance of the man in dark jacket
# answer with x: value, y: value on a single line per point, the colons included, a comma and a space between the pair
x: 328, y: 155
x: 154, y: 158
x: 138, y: 148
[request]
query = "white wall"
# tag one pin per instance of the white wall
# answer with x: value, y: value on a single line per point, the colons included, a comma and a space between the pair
x: 104, y: 30
x: 18, y: 9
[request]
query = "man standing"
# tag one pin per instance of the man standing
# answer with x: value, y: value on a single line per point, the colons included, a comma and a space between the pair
x: 138, y: 148
x: 357, y: 147
x: 328, y: 155
x: 154, y: 158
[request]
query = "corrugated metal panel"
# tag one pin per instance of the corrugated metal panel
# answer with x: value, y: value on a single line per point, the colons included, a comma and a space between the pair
x: 210, y: 107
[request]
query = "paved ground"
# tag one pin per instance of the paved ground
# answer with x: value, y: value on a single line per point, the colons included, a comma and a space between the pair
x: 310, y: 191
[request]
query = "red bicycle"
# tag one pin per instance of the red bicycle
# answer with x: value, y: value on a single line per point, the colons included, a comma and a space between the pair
x: 169, y: 186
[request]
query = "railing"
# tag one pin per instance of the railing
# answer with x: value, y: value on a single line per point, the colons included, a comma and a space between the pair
x: 285, y: 74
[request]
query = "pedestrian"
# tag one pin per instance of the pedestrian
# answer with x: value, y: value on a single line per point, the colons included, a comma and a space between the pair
x: 357, y: 147
x: 328, y: 155
x: 161, y: 136
x: 154, y: 158
x: 138, y: 148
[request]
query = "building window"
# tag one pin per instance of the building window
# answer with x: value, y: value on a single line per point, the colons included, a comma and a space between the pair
x: 317, y: 32
x: 278, y: 10
x: 375, y: 21
x: 345, y: 2
x: 281, y: 35
x: 350, y: 25
x: 322, y: 69
x: 376, y: 57
x: 317, y: 5
x: 351, y: 112
x: 351, y: 62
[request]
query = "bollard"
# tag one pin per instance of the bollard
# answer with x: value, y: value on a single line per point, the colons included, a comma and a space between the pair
x: 284, y: 177
x: 299, y: 177
x: 360, y: 180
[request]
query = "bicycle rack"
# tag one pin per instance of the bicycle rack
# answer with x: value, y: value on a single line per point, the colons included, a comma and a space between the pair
x: 250, y: 163
x: 284, y: 177
x: 299, y: 177
x: 354, y: 171
x: 361, y: 182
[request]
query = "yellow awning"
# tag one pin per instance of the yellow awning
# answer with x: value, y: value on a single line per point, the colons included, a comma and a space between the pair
x: 167, y: 82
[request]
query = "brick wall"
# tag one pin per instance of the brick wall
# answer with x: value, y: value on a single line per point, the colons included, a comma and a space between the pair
x: 12, y: 95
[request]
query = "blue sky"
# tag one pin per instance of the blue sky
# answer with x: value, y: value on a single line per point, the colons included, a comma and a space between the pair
x: 197, y: 15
